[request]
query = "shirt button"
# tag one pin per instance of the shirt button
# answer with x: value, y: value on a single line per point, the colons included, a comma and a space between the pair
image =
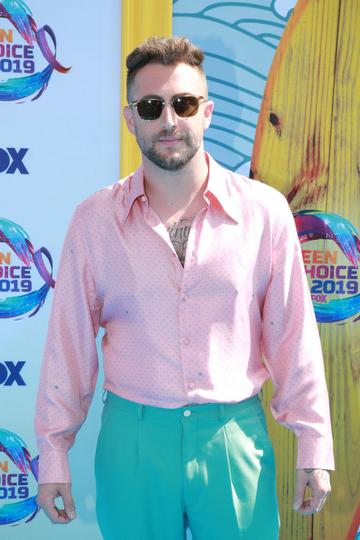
x: 191, y: 386
x: 186, y: 340
x: 143, y: 198
x: 187, y: 413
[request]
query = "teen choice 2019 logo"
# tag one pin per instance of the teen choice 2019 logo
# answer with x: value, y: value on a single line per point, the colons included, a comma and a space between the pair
x: 16, y: 484
x: 24, y: 277
x: 27, y: 60
x: 332, y: 265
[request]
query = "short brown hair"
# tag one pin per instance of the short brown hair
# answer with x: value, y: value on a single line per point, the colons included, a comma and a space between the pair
x: 167, y: 51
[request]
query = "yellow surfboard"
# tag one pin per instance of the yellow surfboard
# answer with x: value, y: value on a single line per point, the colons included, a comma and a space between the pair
x: 307, y: 146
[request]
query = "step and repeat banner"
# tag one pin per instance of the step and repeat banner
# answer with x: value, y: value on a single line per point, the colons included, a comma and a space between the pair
x: 59, y: 141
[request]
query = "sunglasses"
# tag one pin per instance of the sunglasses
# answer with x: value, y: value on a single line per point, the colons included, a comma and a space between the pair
x: 151, y: 108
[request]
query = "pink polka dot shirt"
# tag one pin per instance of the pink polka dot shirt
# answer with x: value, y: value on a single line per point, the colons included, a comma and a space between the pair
x: 215, y: 330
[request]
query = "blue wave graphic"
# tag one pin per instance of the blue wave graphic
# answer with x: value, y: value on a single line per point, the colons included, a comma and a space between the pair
x: 315, y: 225
x: 239, y: 40
x: 18, y: 240
x: 16, y: 450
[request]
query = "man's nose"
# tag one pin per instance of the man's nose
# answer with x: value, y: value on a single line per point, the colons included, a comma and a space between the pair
x: 168, y: 116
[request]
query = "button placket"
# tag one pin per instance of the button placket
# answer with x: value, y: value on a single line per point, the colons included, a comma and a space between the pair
x: 184, y: 311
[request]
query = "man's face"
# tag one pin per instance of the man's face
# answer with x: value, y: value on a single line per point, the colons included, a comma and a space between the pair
x: 169, y: 142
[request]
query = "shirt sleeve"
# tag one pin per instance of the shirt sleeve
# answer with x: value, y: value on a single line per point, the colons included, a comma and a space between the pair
x: 70, y: 363
x: 292, y: 352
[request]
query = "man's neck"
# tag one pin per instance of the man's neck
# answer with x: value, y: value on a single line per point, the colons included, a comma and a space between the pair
x: 175, y: 194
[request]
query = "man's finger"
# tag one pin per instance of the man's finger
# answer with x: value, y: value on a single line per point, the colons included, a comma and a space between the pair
x: 321, y: 504
x: 55, y: 514
x: 301, y: 483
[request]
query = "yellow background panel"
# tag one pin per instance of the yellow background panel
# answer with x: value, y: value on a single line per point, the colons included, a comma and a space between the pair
x: 140, y: 20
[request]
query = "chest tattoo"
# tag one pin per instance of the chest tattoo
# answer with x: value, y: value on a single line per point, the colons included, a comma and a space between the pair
x: 179, y: 235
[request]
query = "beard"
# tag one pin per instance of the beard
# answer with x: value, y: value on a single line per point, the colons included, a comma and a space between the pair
x: 173, y: 162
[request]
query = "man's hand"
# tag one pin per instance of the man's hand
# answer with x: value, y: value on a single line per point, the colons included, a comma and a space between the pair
x: 47, y: 493
x: 318, y: 480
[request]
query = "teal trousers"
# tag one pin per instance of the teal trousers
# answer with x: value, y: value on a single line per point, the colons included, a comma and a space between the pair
x: 207, y: 467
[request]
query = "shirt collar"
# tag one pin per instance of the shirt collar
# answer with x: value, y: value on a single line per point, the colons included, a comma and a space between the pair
x: 133, y: 188
x: 220, y: 187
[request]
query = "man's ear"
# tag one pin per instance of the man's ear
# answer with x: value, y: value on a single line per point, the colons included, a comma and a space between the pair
x: 129, y: 119
x: 209, y: 107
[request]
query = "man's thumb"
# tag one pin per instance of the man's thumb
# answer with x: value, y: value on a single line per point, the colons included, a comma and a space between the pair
x: 69, y: 505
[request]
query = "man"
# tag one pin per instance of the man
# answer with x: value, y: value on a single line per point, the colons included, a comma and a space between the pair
x: 196, y: 275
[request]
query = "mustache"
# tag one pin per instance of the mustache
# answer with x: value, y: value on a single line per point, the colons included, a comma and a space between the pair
x: 170, y: 133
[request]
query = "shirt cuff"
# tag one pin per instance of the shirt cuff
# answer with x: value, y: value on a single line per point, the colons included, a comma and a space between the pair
x: 54, y: 468
x: 315, y: 453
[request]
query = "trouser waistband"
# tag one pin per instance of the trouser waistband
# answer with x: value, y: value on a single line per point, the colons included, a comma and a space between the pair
x: 198, y: 410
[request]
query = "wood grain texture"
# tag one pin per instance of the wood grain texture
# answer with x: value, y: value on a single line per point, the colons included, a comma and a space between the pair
x: 140, y: 20
x: 342, y: 342
x: 307, y: 146
x: 292, y: 142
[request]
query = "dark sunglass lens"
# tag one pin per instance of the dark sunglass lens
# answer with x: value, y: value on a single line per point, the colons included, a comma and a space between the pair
x: 149, y: 109
x: 186, y: 106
